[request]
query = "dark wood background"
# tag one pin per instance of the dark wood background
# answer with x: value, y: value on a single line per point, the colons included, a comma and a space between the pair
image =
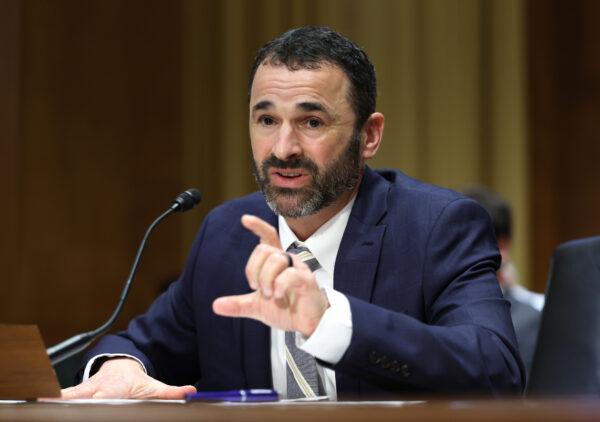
x: 564, y: 91
x: 93, y: 146
x: 91, y: 153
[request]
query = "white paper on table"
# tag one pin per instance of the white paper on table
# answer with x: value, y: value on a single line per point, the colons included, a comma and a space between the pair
x: 108, y: 401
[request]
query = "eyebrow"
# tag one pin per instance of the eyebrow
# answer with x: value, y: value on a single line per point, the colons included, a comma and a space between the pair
x: 304, y: 106
x: 262, y: 105
x: 310, y: 106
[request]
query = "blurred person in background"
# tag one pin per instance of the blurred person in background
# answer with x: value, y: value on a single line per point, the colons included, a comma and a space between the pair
x: 526, y: 306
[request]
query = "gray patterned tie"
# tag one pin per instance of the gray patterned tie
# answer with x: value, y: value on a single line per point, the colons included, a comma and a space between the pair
x: 301, y: 368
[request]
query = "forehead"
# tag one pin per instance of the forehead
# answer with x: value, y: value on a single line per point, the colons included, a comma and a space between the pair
x: 327, y: 84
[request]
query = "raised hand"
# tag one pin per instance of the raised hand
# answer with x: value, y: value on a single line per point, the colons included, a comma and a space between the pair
x: 286, y: 297
x: 124, y: 378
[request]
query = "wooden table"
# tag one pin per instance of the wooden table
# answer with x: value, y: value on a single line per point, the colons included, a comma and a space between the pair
x: 437, y: 410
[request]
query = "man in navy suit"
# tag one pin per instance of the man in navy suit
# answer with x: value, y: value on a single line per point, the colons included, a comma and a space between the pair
x: 389, y: 285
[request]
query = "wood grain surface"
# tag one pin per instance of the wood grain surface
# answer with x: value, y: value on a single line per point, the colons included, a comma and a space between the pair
x: 25, y: 370
x: 466, y: 410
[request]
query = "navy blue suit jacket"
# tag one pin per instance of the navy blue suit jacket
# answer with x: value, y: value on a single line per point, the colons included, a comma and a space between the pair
x: 417, y: 264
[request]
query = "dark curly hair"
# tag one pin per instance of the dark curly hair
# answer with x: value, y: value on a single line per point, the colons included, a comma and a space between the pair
x: 311, y: 46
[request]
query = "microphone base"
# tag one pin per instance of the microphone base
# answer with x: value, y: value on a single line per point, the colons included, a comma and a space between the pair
x: 69, y: 347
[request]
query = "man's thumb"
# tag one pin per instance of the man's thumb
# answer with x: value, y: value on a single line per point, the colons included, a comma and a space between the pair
x: 169, y: 392
x: 235, y: 306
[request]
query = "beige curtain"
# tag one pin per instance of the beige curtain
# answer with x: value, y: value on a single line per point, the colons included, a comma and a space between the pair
x: 451, y: 85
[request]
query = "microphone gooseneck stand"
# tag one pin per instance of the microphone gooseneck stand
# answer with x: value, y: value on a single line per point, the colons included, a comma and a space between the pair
x: 67, y: 348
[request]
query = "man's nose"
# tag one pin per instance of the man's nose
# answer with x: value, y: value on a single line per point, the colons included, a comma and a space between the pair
x: 287, y: 144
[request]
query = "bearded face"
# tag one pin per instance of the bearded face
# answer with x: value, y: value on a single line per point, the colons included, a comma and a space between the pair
x: 325, y: 185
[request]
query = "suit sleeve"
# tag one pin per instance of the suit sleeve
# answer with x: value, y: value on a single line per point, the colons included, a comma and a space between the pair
x: 164, y: 338
x: 466, y: 342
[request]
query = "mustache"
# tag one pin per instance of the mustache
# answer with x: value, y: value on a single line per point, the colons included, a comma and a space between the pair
x: 292, y: 163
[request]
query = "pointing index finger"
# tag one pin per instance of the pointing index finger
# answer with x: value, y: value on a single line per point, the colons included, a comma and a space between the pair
x: 266, y: 232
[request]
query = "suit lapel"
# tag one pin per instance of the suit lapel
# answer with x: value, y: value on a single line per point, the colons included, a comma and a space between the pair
x: 357, y: 260
x: 358, y: 257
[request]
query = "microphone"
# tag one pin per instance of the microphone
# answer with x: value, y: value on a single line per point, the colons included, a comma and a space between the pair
x: 186, y: 200
x: 67, y: 348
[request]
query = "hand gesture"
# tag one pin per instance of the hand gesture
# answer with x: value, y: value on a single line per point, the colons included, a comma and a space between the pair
x: 286, y: 297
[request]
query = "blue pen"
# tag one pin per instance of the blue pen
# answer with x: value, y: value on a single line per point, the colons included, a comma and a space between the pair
x: 254, y: 395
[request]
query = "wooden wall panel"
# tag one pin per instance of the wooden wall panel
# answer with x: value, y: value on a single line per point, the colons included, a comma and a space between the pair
x: 201, y: 161
x: 564, y: 80
x: 9, y: 155
x: 100, y: 153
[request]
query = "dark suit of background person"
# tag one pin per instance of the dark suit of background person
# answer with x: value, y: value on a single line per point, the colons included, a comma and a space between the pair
x: 418, y: 265
x: 526, y: 306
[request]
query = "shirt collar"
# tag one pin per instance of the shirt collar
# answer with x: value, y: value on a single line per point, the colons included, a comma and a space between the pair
x: 325, y: 242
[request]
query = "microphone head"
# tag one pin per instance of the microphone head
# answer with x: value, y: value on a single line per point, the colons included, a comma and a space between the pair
x: 187, y: 200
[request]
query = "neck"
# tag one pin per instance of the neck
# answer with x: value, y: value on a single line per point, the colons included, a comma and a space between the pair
x: 304, y: 227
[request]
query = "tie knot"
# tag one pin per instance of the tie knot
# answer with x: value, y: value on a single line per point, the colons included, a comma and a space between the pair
x: 305, y: 255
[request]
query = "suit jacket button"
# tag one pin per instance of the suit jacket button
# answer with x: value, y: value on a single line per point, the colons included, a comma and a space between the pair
x: 374, y: 358
x: 405, y: 371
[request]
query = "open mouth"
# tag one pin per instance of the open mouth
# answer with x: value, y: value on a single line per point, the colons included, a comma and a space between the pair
x: 290, y: 178
x: 288, y: 174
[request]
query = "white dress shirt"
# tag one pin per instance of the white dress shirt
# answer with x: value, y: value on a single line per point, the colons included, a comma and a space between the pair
x: 332, y: 336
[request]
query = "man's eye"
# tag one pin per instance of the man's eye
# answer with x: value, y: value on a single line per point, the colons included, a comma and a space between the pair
x: 313, y: 123
x: 267, y: 121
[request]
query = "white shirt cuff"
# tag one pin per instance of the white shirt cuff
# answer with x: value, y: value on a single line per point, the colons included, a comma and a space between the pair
x: 90, y: 364
x: 331, y: 338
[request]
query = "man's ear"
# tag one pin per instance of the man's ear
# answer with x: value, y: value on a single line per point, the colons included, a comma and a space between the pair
x: 372, y: 135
